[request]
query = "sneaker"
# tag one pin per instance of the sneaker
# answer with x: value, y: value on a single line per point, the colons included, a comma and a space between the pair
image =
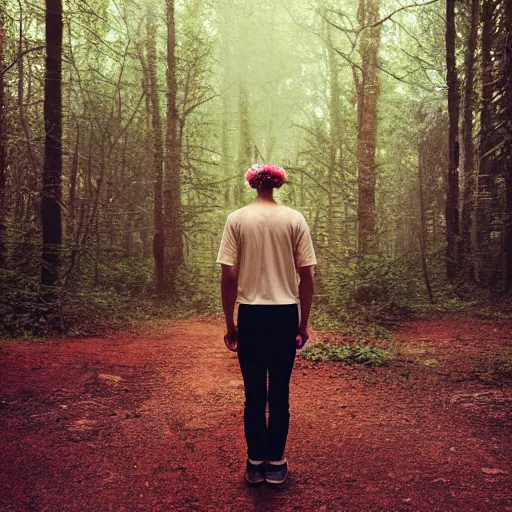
x: 255, y: 473
x: 276, y: 473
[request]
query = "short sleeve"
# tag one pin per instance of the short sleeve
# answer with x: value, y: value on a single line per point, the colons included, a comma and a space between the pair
x: 304, y: 252
x: 228, y: 250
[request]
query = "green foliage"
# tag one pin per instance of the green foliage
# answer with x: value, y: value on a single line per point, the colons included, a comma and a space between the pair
x: 362, y: 299
x: 269, y: 99
x: 475, y: 301
x: 94, y: 311
x: 25, y: 313
x: 358, y: 353
x: 198, y: 290
x: 380, y: 287
x: 132, y: 277
x: 21, y: 308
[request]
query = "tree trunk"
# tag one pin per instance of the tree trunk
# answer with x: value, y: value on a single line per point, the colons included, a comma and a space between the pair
x: 33, y: 157
x: 71, y: 221
x: 226, y: 116
x: 367, y: 127
x: 172, y: 191
x: 51, y: 192
x: 452, y: 199
x: 423, y: 225
x: 244, y: 147
x: 483, y: 194
x: 225, y: 149
x: 507, y: 74
x: 468, y: 172
x: 335, y: 133
x: 158, y: 158
x: 2, y: 141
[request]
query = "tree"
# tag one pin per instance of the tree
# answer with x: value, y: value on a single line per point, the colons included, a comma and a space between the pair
x: 468, y: 171
x: 507, y: 116
x: 335, y: 150
x: 158, y: 155
x: 2, y: 138
x: 422, y: 221
x: 452, y: 199
x: 172, y: 183
x: 52, y: 170
x: 367, y: 94
x: 244, y: 144
x: 226, y: 96
x: 484, y: 191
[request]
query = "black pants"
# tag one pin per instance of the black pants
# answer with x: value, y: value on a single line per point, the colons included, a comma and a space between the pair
x: 266, y: 344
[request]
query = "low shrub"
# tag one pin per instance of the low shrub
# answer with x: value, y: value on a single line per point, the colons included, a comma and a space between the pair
x: 356, y: 353
x: 22, y: 310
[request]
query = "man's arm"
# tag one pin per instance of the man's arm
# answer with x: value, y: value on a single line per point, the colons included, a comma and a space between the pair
x: 306, y: 291
x: 229, y: 286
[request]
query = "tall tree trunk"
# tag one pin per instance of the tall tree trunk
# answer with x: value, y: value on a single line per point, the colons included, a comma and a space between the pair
x: 226, y: 157
x: 507, y: 74
x: 468, y: 171
x: 423, y: 224
x: 483, y: 189
x: 225, y: 148
x: 52, y: 170
x: 337, y: 141
x: 367, y: 127
x: 244, y: 147
x: 335, y: 135
x: 75, y: 163
x: 2, y: 140
x: 33, y: 157
x: 452, y: 199
x: 172, y: 190
x: 158, y: 158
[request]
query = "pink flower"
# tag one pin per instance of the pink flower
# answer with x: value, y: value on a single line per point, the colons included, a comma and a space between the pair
x: 267, y: 175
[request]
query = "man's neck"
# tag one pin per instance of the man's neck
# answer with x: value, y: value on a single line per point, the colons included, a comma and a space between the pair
x: 266, y: 195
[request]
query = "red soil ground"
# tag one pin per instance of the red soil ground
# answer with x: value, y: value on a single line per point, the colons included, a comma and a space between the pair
x: 152, y: 421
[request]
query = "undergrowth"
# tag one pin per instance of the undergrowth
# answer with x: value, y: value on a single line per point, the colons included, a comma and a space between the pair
x: 25, y: 313
x: 354, y: 353
x: 362, y: 303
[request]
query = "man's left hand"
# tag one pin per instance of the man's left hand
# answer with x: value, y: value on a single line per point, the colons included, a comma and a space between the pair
x: 301, y: 338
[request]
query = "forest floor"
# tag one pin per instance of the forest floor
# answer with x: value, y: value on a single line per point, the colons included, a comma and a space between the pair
x: 151, y: 420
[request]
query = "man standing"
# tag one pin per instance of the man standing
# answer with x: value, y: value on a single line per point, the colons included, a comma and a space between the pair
x: 266, y: 248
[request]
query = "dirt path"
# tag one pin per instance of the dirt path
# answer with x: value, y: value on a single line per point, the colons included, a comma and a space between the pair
x: 152, y: 421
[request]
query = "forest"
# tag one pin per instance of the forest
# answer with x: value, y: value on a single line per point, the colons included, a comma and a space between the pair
x: 126, y: 128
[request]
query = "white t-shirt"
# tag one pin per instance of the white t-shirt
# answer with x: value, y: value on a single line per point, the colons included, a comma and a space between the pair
x: 268, y: 242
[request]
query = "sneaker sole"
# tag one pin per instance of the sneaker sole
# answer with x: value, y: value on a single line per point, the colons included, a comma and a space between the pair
x: 276, y: 482
x: 273, y: 481
x: 253, y: 482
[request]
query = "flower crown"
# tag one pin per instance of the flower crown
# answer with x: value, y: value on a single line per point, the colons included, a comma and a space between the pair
x: 265, y: 176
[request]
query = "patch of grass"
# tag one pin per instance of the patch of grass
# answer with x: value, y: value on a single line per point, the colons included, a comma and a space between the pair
x: 356, y: 353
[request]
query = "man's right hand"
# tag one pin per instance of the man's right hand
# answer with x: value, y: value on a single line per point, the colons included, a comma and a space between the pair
x: 302, y: 337
x: 231, y: 339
